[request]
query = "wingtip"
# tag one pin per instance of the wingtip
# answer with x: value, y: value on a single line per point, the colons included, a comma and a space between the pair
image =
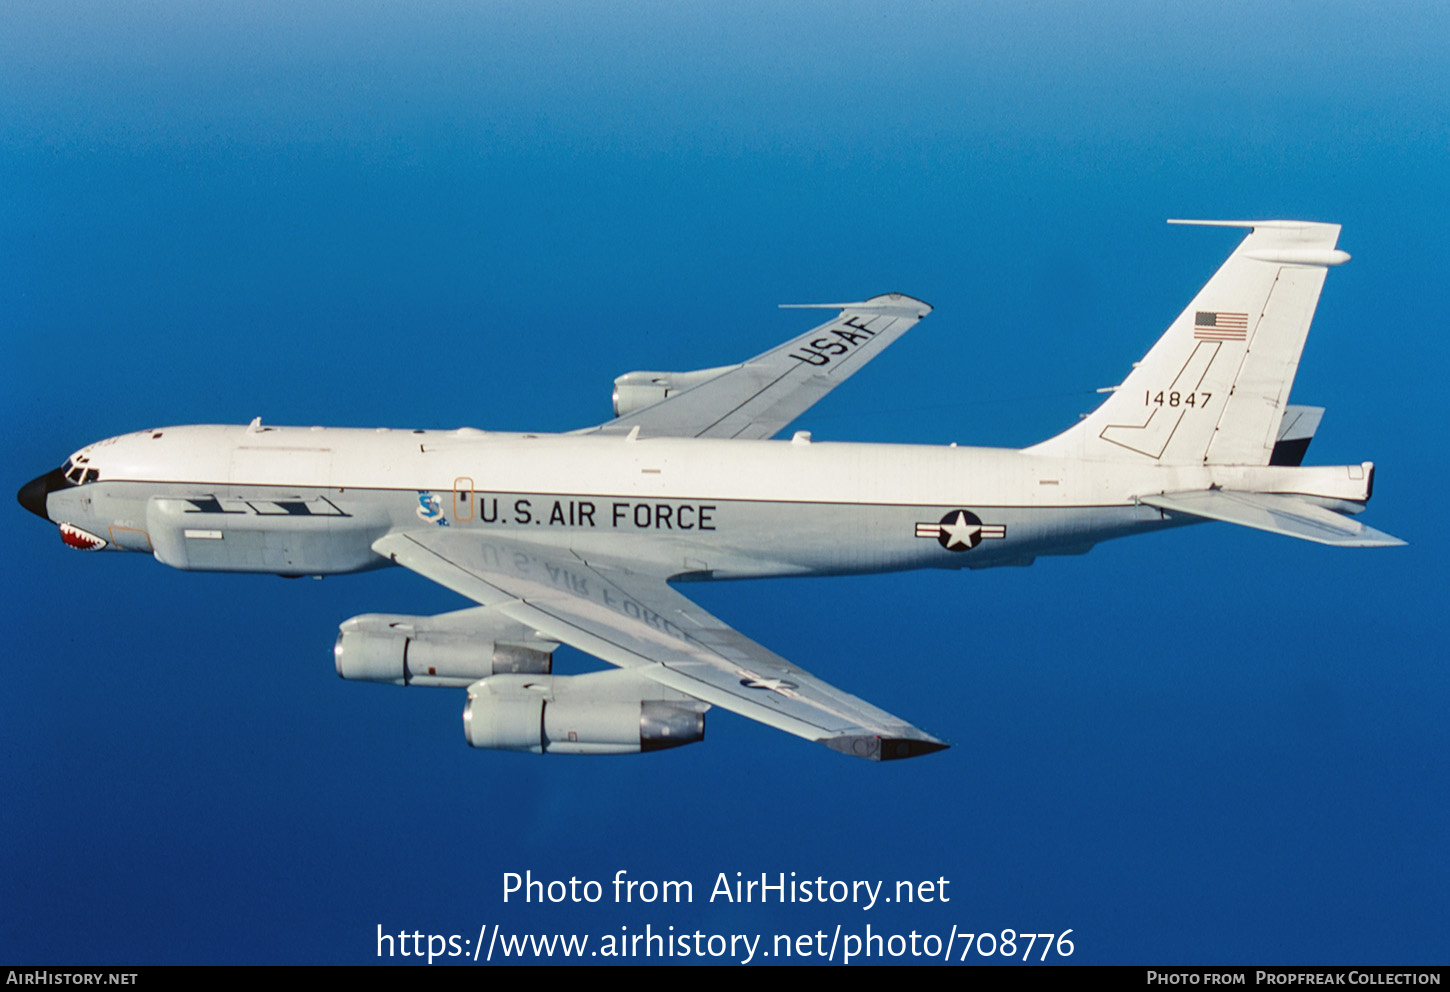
x: 875, y: 748
x: 885, y: 302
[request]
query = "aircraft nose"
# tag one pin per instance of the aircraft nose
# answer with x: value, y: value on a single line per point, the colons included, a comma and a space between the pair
x: 33, y: 494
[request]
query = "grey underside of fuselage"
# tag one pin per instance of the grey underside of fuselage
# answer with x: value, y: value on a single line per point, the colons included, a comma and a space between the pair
x: 315, y: 531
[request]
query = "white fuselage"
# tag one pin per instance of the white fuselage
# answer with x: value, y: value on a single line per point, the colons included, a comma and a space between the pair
x: 297, y: 500
x: 707, y: 508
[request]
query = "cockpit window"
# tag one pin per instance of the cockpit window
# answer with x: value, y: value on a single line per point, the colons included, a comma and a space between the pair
x: 77, y: 470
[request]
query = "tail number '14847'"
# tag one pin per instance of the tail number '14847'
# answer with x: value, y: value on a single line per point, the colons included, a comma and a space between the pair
x: 1175, y: 399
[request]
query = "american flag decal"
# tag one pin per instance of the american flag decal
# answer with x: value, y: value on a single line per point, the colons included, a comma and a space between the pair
x: 1216, y: 325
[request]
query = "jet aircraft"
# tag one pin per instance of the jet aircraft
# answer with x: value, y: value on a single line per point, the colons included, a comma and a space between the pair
x: 584, y: 538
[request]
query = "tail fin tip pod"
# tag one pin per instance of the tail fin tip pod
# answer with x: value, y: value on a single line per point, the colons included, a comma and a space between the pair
x: 1215, y: 387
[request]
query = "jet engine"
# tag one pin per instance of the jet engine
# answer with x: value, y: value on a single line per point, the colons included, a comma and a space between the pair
x: 610, y: 712
x: 637, y: 390
x: 452, y: 651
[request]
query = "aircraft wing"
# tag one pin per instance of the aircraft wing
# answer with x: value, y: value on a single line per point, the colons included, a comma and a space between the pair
x: 758, y: 398
x: 638, y: 622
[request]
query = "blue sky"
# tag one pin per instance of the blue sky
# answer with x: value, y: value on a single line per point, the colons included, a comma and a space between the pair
x: 1206, y: 746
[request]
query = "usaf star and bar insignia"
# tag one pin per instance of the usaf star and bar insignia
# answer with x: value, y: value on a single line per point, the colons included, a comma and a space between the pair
x: 961, y: 530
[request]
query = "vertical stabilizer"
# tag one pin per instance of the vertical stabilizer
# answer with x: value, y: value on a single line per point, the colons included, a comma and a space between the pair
x: 1214, y: 389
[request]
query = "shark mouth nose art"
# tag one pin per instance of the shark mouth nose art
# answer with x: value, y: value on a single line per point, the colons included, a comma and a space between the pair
x: 74, y: 537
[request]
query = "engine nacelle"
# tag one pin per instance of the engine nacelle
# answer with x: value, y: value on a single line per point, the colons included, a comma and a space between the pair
x: 637, y: 390
x: 608, y: 712
x: 452, y: 651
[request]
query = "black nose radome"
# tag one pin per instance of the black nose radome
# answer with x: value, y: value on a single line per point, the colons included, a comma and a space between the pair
x: 32, y: 495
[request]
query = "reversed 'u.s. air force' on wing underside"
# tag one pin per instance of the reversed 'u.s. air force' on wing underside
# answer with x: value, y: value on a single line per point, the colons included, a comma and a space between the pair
x: 584, y: 538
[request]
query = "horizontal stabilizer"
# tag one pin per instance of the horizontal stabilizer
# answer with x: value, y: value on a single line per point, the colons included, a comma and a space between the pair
x: 1291, y: 516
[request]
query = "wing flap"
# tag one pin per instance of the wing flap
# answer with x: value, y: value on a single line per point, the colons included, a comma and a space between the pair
x: 1276, y: 513
x: 637, y: 621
